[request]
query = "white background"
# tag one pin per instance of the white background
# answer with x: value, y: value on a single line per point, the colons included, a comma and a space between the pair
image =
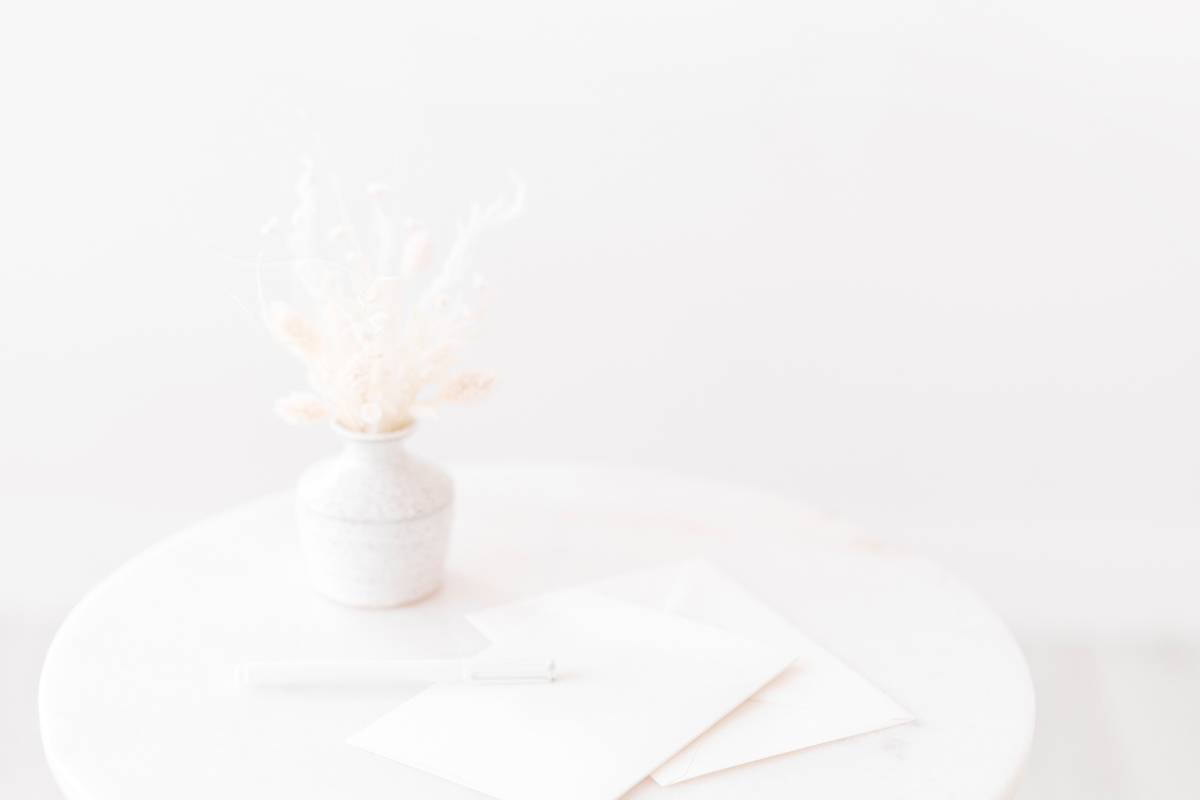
x: 931, y: 267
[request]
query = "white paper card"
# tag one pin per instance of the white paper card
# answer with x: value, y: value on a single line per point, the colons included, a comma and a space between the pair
x: 817, y: 699
x: 636, y: 685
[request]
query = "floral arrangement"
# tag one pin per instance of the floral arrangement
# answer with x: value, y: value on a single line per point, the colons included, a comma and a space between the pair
x: 382, y: 323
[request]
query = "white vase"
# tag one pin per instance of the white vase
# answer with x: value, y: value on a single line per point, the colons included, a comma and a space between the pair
x: 375, y: 522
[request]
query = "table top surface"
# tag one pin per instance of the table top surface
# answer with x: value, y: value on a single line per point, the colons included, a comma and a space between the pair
x: 138, y: 700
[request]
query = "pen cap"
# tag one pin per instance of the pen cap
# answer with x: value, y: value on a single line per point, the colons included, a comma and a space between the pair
x: 509, y: 670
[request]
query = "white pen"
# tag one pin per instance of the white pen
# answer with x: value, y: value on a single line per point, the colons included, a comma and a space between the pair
x: 380, y: 673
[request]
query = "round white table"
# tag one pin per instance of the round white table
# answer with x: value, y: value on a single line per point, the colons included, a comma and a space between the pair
x: 138, y: 700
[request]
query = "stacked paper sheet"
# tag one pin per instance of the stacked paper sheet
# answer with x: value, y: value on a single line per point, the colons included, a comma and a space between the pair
x: 672, y: 673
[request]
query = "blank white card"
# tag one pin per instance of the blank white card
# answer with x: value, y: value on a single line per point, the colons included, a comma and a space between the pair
x: 636, y: 685
x: 817, y: 699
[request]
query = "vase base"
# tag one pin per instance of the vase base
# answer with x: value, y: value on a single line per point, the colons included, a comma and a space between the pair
x: 368, y: 600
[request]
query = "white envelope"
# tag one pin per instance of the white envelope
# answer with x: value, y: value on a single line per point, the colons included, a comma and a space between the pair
x: 817, y: 699
x: 636, y: 685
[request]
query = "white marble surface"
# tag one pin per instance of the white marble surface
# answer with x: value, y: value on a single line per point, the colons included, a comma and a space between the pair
x: 136, y: 699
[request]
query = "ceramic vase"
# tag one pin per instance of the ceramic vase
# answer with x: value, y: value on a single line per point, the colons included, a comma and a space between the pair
x: 375, y: 521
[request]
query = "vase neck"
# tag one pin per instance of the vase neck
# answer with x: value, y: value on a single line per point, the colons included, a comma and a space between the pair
x: 373, y: 447
x: 390, y: 449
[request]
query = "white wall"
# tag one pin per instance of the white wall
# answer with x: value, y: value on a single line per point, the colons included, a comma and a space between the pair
x: 931, y: 267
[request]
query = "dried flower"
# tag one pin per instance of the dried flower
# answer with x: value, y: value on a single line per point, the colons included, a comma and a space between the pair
x: 418, y: 253
x: 294, y: 332
x: 301, y: 408
x: 382, y: 337
x: 469, y: 387
x: 371, y: 414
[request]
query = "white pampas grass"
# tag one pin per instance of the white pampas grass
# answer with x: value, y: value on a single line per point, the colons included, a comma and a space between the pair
x: 469, y: 387
x: 294, y: 332
x: 418, y: 253
x: 382, y: 336
x: 302, y: 408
